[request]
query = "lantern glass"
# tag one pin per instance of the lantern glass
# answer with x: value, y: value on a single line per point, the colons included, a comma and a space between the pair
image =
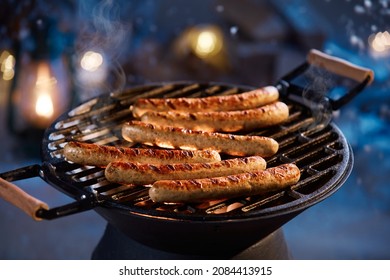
x: 42, y: 87
x: 41, y: 93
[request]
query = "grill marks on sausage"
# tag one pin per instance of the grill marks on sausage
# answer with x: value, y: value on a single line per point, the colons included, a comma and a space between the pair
x: 102, y: 155
x: 137, y: 173
x: 240, y: 101
x: 183, y: 138
x: 208, y: 178
x: 245, y: 184
x: 222, y: 121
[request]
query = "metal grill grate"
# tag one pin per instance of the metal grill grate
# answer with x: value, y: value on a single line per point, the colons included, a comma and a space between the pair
x: 322, y: 154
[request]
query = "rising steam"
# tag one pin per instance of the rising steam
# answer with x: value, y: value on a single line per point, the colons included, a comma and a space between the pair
x: 103, y: 31
x: 315, y: 97
x: 102, y: 27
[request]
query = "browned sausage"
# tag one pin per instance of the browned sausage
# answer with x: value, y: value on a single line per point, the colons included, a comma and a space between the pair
x: 241, y: 101
x: 143, y: 174
x: 186, y: 139
x: 232, y: 121
x: 101, y: 155
x: 244, y: 184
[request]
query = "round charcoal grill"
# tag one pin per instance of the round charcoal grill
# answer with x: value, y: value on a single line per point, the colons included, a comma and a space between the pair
x: 218, y: 228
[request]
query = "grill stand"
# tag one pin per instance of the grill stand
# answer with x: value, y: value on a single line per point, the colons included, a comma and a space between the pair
x: 115, y: 245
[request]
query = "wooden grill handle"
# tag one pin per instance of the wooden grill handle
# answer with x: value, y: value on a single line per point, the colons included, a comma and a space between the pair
x: 339, y: 66
x: 19, y: 198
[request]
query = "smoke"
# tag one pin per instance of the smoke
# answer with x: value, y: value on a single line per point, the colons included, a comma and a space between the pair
x: 103, y: 30
x: 102, y: 27
x: 315, y: 97
x: 114, y: 33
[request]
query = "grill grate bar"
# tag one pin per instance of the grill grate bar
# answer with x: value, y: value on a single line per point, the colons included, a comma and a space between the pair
x: 133, y: 196
x: 129, y: 97
x: 262, y: 202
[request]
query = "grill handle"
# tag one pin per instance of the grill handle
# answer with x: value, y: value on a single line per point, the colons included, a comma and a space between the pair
x: 343, y: 68
x: 32, y: 206
x: 340, y: 66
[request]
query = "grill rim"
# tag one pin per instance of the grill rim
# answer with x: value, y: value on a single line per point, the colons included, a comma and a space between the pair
x: 50, y: 174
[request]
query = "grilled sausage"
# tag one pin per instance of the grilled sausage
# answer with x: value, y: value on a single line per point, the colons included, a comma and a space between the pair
x: 186, y: 139
x: 244, y: 184
x: 101, y: 155
x: 241, y: 101
x: 232, y: 121
x: 144, y: 174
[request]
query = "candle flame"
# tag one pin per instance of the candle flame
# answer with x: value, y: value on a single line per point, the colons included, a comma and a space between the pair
x: 44, y: 87
x: 44, y: 106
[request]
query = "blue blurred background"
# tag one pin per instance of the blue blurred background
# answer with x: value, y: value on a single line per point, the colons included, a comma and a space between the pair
x: 93, y: 47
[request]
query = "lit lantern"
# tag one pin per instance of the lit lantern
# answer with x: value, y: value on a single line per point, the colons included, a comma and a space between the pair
x: 207, y: 43
x: 95, y: 73
x: 380, y: 44
x: 7, y: 65
x: 93, y: 69
x: 42, y: 86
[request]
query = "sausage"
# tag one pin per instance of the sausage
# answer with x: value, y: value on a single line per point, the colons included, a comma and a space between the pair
x: 101, y: 155
x: 240, y: 101
x: 232, y: 121
x: 187, y: 139
x: 144, y: 174
x: 244, y: 184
